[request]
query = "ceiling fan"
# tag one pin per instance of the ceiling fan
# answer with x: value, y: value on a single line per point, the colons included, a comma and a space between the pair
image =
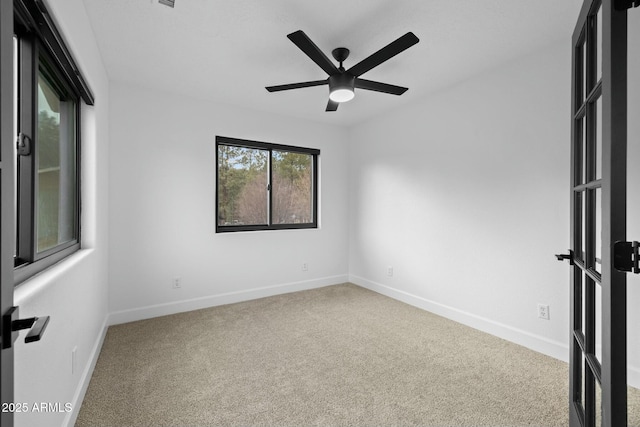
x: 343, y: 82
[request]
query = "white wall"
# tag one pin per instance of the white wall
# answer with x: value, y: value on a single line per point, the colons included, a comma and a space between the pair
x: 74, y: 292
x: 465, y: 195
x: 162, y: 208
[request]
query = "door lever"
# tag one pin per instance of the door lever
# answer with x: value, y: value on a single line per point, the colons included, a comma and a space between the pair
x: 562, y: 257
x: 11, y: 325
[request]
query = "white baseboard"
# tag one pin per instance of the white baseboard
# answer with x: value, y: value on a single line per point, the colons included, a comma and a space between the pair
x: 633, y: 376
x: 151, y: 311
x: 534, y: 342
x: 83, y: 385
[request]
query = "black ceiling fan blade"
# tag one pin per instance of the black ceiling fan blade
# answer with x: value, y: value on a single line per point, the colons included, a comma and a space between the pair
x: 380, y: 87
x: 389, y: 51
x: 297, y: 85
x: 332, y: 105
x: 307, y: 46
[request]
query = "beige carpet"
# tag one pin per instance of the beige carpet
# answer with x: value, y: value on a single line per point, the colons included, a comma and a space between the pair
x: 335, y: 356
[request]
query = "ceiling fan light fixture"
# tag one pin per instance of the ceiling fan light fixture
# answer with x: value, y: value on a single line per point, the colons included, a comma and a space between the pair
x: 342, y: 95
x: 341, y: 87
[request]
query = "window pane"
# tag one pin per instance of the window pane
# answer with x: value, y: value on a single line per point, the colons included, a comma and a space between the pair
x: 242, y: 186
x: 56, y: 166
x: 292, y: 188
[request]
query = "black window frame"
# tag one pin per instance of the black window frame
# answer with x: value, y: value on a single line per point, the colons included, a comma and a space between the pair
x: 270, y: 147
x: 41, y: 46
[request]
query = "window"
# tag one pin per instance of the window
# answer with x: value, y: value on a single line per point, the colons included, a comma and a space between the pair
x: 48, y: 92
x: 262, y: 186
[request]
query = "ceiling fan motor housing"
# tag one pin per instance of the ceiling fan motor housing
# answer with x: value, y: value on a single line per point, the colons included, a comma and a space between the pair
x: 341, y: 87
x: 341, y: 81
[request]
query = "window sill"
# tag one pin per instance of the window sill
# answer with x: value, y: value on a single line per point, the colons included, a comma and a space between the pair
x: 266, y: 230
x: 33, y: 286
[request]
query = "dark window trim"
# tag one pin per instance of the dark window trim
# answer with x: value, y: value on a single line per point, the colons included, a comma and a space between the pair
x: 34, y: 16
x: 224, y: 140
x: 315, y: 153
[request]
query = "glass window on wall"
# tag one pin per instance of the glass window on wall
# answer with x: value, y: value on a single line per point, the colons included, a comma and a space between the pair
x: 263, y: 186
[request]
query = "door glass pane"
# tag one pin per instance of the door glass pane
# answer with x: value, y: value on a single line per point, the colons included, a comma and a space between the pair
x: 15, y: 134
x: 585, y: 91
x: 583, y: 226
x: 598, y: 153
x: 598, y: 231
x: 581, y: 151
x: 242, y: 185
x: 598, y: 405
x: 598, y: 315
x: 584, y: 150
x: 292, y: 188
x: 584, y: 304
x: 56, y: 165
x: 581, y: 379
x: 598, y: 29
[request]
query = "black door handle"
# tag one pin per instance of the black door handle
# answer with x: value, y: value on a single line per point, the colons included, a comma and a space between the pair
x: 37, y: 325
x: 569, y: 256
x: 11, y: 325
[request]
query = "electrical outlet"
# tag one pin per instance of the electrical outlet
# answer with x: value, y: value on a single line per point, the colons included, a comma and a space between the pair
x: 73, y: 360
x: 177, y: 283
x: 305, y: 267
x: 543, y: 311
x: 390, y: 271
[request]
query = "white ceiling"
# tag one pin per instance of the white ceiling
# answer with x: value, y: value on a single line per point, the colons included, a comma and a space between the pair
x: 228, y: 51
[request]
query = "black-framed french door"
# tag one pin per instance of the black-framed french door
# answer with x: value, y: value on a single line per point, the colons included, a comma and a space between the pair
x: 598, y: 347
x: 7, y: 241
